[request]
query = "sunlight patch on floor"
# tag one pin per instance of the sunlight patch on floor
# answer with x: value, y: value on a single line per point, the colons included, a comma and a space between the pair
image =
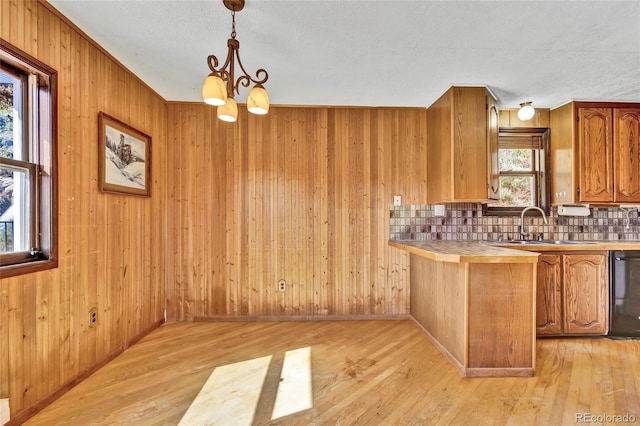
x: 294, y: 392
x: 230, y: 395
x: 4, y: 411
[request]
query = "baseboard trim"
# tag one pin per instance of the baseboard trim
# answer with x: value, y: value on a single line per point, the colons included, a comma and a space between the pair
x: 499, y: 372
x: 284, y: 318
x: 32, y: 411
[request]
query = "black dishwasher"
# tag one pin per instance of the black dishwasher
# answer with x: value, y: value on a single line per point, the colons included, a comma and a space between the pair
x: 624, y: 289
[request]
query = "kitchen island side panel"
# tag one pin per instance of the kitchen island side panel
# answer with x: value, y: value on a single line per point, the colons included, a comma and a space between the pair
x: 501, y: 315
x: 438, y: 302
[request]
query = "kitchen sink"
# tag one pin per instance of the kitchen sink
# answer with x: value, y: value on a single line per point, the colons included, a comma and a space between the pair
x: 524, y: 242
x: 566, y: 242
x: 534, y: 242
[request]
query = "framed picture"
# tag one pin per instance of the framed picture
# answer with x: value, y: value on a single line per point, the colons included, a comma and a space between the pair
x: 124, y: 158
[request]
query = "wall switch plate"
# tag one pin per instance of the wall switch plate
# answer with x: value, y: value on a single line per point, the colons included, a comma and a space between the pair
x: 397, y: 200
x: 438, y: 210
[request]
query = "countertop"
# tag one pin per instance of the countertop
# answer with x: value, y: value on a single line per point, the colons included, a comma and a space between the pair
x: 501, y: 252
x: 465, y: 252
x: 572, y: 246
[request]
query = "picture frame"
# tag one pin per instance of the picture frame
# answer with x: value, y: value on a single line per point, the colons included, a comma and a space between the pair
x: 124, y: 158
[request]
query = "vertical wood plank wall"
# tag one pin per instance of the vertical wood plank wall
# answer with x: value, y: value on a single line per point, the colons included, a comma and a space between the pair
x: 301, y: 194
x: 112, y: 247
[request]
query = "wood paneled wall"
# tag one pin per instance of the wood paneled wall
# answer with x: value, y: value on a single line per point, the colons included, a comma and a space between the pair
x: 112, y: 248
x: 301, y: 194
x: 509, y: 118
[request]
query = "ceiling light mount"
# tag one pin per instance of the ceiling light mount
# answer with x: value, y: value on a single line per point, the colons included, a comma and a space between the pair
x: 234, y: 5
x: 526, y: 111
x: 221, y: 84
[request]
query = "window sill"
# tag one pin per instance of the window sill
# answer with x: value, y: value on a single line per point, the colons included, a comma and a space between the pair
x: 510, y: 211
x: 17, y: 269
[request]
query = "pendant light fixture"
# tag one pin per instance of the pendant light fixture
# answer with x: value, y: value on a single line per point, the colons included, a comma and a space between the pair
x: 221, y: 85
x: 526, y: 111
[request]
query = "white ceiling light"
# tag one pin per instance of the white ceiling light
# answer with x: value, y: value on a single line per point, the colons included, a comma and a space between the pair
x: 526, y: 111
x: 220, y: 86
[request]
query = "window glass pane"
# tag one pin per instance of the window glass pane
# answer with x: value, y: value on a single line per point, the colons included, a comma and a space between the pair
x: 15, y: 221
x: 10, y: 116
x: 516, y: 191
x: 515, y: 160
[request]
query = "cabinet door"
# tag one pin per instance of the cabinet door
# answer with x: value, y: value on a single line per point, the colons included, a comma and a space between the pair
x: 469, y: 144
x: 626, y: 149
x: 585, y: 293
x: 549, y: 295
x: 493, y: 170
x: 457, y: 146
x: 595, y: 155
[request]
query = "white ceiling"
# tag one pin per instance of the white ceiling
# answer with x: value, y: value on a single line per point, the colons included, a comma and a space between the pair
x: 379, y: 53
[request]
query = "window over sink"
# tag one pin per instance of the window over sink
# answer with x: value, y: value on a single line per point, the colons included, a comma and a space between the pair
x: 523, y: 158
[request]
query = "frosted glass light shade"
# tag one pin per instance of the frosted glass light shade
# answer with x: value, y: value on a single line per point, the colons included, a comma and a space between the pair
x: 228, y: 111
x: 526, y: 111
x: 214, y: 91
x: 258, y: 101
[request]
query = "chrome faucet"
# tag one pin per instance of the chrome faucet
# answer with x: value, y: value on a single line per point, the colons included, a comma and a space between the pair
x: 524, y: 235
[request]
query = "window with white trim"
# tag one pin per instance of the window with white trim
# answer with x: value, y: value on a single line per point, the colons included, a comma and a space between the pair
x: 27, y: 163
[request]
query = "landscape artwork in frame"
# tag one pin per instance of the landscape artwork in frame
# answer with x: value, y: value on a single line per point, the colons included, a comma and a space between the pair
x: 124, y: 160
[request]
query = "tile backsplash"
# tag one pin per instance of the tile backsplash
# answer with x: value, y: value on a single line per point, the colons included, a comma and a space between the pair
x: 466, y: 221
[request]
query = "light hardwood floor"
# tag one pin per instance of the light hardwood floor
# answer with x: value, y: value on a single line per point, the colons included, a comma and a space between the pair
x: 363, y: 372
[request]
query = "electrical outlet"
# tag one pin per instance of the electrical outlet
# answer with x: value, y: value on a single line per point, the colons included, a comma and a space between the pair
x: 93, y: 317
x: 282, y: 286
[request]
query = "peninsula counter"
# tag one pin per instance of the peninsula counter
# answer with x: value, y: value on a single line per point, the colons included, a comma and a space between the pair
x: 476, y: 304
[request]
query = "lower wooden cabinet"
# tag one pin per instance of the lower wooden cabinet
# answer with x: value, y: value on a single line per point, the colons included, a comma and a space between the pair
x: 549, y: 295
x: 572, y: 294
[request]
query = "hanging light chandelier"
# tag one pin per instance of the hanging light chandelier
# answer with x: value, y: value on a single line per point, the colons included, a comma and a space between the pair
x: 221, y: 85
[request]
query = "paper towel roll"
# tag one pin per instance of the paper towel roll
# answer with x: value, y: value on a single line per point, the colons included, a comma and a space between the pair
x: 574, y: 211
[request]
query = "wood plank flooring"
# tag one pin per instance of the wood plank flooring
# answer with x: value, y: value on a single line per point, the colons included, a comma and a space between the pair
x: 363, y: 373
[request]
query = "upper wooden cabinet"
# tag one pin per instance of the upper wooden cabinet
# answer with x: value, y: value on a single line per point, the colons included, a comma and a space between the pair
x: 462, y: 146
x: 595, y: 155
x: 595, y: 150
x: 626, y: 148
x: 493, y: 167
